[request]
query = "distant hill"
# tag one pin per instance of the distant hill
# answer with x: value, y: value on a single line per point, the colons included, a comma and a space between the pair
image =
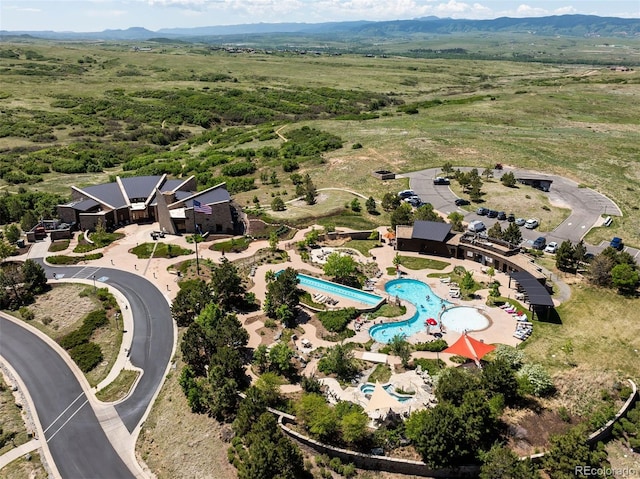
x: 566, y: 25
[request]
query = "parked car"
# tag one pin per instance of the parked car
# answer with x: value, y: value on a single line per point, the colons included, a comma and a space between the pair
x: 520, y: 221
x: 531, y: 223
x: 502, y: 215
x: 539, y: 243
x: 414, y: 201
x: 482, y: 211
x: 476, y: 226
x: 492, y: 214
x: 462, y: 202
x: 551, y: 247
x: 440, y: 180
x: 406, y: 194
x: 616, y: 243
x: 511, y: 218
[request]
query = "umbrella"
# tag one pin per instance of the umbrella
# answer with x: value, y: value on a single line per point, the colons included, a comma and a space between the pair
x: 469, y: 348
x: 431, y: 322
x: 389, y: 235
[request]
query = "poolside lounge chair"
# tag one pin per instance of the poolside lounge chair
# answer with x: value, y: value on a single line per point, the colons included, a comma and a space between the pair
x: 445, y: 280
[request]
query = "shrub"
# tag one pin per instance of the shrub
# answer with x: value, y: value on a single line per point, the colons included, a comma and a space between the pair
x: 87, y: 356
x: 26, y: 313
x: 336, y: 321
x: 537, y: 380
x: 436, y: 345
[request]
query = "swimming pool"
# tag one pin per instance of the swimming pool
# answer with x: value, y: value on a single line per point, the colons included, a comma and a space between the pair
x: 368, y: 388
x: 464, y: 318
x: 427, y: 303
x: 336, y: 289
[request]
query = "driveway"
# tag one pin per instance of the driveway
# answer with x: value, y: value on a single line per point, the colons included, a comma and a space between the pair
x: 587, y: 206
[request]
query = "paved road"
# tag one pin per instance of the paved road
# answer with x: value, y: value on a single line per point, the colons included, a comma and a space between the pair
x: 76, y: 439
x: 153, y: 334
x: 587, y: 206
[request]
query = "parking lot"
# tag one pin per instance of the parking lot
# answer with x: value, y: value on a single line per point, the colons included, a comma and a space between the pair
x: 587, y: 206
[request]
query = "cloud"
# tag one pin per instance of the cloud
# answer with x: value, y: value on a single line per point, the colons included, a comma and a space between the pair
x: 529, y: 11
x: 190, y: 4
x: 568, y: 10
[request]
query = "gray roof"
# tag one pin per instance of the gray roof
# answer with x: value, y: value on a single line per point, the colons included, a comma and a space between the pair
x: 108, y: 193
x: 85, y: 205
x: 537, y: 293
x: 140, y: 186
x: 171, y: 185
x: 430, y: 230
x: 216, y: 195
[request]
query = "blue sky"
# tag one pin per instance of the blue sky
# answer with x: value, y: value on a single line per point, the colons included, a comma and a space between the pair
x: 97, y: 15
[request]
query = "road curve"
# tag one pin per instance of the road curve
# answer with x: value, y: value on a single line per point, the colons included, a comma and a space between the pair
x: 76, y: 439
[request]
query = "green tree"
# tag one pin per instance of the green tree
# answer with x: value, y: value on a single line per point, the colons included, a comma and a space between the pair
x: 566, y: 257
x: 12, y: 233
x: 28, y: 220
x: 317, y: 416
x: 353, y: 426
x: 280, y: 357
x: 453, y: 383
x: 6, y: 249
x: 34, y: 277
x: 427, y: 213
x: 390, y: 202
x: 340, y: 267
x: 447, y: 169
x: 401, y: 348
x: 487, y: 172
x: 455, y: 219
x: 191, y: 299
x: 261, y: 358
x: 273, y: 241
x: 502, y: 463
x: 569, y: 453
x: 498, y: 377
x: 625, y: 278
x: 370, y: 206
x: 467, y: 282
x: 355, y: 205
x: 402, y: 215
x: 512, y: 234
x: 495, y: 231
x: 226, y: 285
x: 283, y: 290
x: 579, y: 252
x: 339, y: 360
x: 508, y: 179
x: 250, y: 409
x: 277, y: 204
x: 269, y: 385
x: 438, y: 435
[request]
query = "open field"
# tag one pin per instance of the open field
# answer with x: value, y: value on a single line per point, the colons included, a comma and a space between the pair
x: 579, y: 121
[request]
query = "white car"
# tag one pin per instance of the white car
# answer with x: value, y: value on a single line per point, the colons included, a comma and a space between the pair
x: 520, y: 221
x: 531, y: 223
x: 551, y: 247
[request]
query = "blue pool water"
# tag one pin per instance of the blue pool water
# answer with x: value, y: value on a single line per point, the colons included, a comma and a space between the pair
x: 336, y: 289
x: 428, y: 305
x: 464, y: 318
x: 369, y: 387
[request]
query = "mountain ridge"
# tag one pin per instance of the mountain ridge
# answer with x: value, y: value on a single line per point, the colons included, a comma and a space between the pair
x: 569, y: 25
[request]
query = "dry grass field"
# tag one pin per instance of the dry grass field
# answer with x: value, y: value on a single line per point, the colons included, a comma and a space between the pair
x: 578, y: 121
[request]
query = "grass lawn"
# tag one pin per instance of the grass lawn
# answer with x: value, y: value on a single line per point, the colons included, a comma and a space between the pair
x: 64, y: 259
x: 59, y: 245
x: 159, y: 250
x: 363, y: 246
x: 21, y: 468
x: 599, y: 330
x: 381, y: 374
x: 119, y: 388
x: 412, y: 262
x: 234, y: 244
x: 11, y: 415
x: 388, y: 311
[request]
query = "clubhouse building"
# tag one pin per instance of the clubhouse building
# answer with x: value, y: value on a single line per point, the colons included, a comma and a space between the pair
x: 146, y: 199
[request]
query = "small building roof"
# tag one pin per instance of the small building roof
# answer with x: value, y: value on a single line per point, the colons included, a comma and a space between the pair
x: 537, y: 293
x: 209, y: 197
x: 84, y: 205
x: 137, y: 187
x: 375, y: 357
x: 430, y: 230
x: 381, y: 400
